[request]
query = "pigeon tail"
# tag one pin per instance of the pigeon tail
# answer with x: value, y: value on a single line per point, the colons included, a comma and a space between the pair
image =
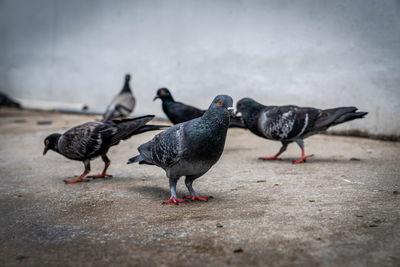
x: 128, y: 127
x: 139, y: 159
x: 126, y: 121
x: 329, y: 116
x: 349, y: 117
x: 135, y: 159
x: 147, y: 128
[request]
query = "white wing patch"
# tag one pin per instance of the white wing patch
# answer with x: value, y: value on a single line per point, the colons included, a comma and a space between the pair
x: 305, y: 125
x: 279, y: 128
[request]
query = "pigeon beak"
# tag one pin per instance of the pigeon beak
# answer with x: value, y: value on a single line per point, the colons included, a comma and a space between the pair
x: 157, y: 97
x: 45, y: 150
x: 231, y: 112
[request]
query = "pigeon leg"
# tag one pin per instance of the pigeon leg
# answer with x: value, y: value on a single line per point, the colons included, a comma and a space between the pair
x: 80, y: 178
x: 283, y: 149
x: 193, y: 195
x: 103, y: 174
x: 173, y: 199
x: 303, y: 155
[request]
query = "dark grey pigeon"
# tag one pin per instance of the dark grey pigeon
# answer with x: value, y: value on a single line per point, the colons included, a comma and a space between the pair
x: 122, y: 104
x: 190, y: 148
x: 93, y: 139
x: 291, y: 123
x: 178, y: 112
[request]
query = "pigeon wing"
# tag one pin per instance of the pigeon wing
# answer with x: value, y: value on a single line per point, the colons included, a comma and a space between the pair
x: 166, y: 148
x: 86, y: 140
x: 286, y: 122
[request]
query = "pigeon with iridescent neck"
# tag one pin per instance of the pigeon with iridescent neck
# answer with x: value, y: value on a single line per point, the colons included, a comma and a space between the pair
x: 190, y: 148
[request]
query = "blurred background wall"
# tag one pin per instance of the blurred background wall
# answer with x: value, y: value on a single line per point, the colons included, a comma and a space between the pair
x: 311, y: 53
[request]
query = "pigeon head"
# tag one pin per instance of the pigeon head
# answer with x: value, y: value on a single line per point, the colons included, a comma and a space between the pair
x: 126, y: 87
x: 163, y: 94
x: 223, y: 102
x: 245, y: 106
x: 50, y: 142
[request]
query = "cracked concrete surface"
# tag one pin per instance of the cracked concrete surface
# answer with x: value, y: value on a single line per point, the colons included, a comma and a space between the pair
x: 341, y: 208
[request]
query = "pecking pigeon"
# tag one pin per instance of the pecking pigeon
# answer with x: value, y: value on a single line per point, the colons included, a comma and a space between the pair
x: 122, y: 104
x: 190, y: 148
x: 92, y: 139
x: 178, y: 112
x: 291, y: 123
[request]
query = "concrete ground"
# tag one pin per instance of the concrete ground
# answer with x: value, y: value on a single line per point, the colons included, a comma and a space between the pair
x: 341, y: 208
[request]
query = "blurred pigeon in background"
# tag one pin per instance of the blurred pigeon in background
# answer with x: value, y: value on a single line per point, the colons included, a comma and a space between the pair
x: 190, y: 148
x: 6, y: 101
x: 123, y: 104
x: 291, y: 123
x: 93, y: 139
x: 178, y: 112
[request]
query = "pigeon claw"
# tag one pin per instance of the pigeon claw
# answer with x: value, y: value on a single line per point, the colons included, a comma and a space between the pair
x: 173, y: 200
x: 100, y: 176
x: 302, y: 159
x: 77, y: 180
x: 270, y: 158
x: 199, y: 198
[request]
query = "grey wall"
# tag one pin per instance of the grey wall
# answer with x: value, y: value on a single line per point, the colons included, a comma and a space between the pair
x: 314, y: 53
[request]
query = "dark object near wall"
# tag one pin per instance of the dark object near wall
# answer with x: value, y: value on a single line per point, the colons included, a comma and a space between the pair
x: 6, y: 101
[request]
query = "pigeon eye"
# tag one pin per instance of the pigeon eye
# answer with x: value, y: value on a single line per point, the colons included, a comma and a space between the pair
x: 162, y: 93
x: 240, y: 105
x: 47, y: 141
x: 219, y: 103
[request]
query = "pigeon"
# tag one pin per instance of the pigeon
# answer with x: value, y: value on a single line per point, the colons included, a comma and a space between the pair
x: 92, y: 139
x: 122, y: 104
x: 291, y: 123
x: 6, y: 101
x: 178, y: 112
x: 190, y: 148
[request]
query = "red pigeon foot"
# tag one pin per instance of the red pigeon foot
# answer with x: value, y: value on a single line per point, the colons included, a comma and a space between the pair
x: 199, y: 198
x: 173, y: 200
